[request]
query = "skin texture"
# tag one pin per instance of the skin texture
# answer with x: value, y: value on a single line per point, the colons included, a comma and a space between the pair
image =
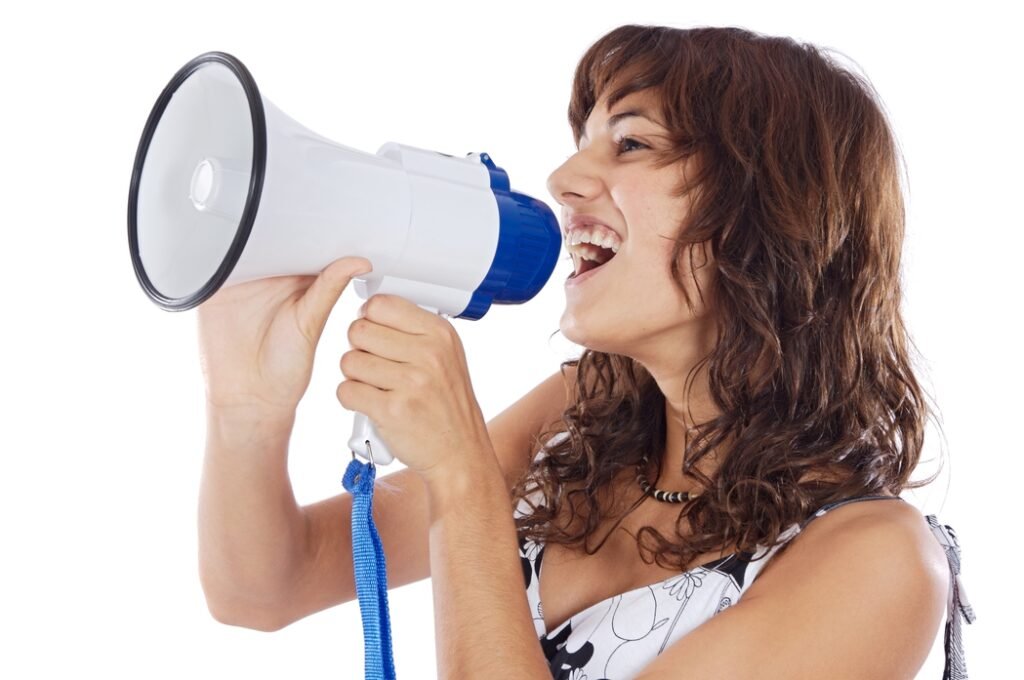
x: 635, y: 308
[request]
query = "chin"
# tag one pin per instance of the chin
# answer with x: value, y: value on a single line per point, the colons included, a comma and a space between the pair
x: 578, y: 334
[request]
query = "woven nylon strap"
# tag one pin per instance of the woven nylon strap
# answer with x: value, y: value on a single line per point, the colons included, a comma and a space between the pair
x: 370, y: 572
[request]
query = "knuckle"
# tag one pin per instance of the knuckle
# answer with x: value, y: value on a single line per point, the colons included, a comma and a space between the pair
x: 446, y: 341
x: 435, y: 360
x: 373, y: 303
x: 346, y: 362
x: 420, y: 379
x: 454, y: 341
x: 355, y: 329
x: 396, y: 410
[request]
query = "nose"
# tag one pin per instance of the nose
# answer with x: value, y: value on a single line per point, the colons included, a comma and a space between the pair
x: 572, y: 184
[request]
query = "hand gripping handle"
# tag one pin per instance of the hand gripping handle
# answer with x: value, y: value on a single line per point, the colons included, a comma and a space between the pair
x: 365, y: 441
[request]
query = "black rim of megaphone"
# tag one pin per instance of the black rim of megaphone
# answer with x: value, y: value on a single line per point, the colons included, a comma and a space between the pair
x: 259, y: 162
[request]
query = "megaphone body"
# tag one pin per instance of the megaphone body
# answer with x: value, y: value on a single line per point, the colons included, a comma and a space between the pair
x: 226, y: 188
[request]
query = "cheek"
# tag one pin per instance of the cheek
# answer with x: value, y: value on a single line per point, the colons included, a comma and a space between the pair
x: 654, y: 268
x: 697, y: 278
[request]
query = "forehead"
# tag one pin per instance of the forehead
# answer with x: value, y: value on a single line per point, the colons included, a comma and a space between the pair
x: 646, y: 97
x: 643, y: 104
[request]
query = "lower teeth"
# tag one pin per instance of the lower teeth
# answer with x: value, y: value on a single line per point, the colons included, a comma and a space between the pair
x: 575, y: 275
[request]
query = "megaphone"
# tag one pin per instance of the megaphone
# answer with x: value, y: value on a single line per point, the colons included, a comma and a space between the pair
x: 226, y: 188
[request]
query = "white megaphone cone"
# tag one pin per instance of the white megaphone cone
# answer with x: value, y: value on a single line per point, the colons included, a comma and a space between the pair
x: 226, y: 188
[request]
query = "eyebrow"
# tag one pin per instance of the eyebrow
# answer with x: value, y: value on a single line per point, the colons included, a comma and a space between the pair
x: 614, y: 120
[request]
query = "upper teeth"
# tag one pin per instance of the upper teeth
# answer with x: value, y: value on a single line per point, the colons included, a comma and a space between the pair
x: 594, y: 235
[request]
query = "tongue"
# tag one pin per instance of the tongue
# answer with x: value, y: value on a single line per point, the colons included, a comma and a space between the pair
x: 587, y: 265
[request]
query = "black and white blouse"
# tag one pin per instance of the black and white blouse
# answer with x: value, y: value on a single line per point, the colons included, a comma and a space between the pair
x: 616, y: 638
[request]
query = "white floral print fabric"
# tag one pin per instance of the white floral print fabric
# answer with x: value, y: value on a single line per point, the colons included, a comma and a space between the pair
x: 616, y: 638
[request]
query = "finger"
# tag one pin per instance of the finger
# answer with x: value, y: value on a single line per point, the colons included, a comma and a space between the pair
x: 372, y: 370
x: 399, y: 313
x: 383, y: 341
x: 316, y: 304
x: 366, y: 399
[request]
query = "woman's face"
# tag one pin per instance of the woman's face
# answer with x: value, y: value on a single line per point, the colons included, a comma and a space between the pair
x: 631, y: 306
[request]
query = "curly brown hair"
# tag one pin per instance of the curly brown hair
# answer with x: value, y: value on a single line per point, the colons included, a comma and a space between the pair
x: 799, y: 199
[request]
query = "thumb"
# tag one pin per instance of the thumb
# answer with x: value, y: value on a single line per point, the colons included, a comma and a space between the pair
x: 316, y: 304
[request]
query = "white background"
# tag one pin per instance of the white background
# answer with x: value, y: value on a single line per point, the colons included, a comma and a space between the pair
x: 103, y: 425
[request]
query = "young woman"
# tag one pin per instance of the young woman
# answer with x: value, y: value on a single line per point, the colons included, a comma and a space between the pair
x: 735, y: 217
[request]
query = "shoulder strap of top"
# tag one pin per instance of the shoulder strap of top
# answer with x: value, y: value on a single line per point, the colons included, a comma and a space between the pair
x: 957, y: 605
x: 829, y: 506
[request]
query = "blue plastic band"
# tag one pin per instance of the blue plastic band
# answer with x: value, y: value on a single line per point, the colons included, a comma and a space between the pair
x: 529, y: 241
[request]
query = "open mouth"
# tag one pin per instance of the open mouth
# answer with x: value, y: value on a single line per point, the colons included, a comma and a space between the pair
x: 588, y: 257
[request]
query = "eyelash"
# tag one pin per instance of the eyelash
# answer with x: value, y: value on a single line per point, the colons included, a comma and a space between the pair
x: 619, y: 150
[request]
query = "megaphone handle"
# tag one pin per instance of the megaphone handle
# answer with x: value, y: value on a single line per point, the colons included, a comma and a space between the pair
x: 365, y: 441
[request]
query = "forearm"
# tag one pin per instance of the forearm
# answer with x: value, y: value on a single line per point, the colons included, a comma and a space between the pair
x: 482, y: 618
x: 251, y: 531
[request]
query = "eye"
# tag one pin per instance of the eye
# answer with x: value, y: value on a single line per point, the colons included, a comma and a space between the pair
x: 628, y: 140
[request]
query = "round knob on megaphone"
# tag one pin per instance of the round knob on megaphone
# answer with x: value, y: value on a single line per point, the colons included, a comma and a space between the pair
x: 219, y: 187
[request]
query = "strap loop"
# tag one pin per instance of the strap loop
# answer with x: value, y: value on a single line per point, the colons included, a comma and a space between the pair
x: 370, y: 571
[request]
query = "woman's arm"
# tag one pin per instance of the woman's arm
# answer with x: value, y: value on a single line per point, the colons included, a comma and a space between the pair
x: 482, y: 618
x: 251, y: 531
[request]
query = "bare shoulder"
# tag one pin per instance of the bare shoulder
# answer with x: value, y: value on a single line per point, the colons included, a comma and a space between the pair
x: 859, y: 593
x: 882, y: 534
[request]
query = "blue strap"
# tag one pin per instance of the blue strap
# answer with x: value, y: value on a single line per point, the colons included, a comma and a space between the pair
x: 370, y: 572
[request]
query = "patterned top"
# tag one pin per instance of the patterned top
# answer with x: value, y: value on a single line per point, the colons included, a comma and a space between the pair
x: 616, y: 638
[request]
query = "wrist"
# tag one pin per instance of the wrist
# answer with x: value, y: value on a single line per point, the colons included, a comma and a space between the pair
x: 449, y: 488
x: 249, y: 409
x: 246, y: 423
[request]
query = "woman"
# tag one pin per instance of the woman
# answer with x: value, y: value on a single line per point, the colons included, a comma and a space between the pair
x: 748, y: 332
x: 745, y: 372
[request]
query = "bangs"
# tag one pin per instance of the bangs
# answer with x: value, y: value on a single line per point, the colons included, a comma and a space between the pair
x: 617, y: 68
x: 636, y: 59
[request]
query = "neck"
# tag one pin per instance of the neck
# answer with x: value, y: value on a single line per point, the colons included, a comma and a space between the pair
x: 681, y: 416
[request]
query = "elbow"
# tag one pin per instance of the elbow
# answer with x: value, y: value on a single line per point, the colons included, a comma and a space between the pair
x: 237, y: 609
x: 245, y: 617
